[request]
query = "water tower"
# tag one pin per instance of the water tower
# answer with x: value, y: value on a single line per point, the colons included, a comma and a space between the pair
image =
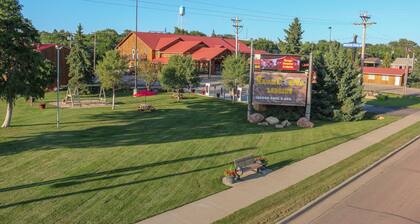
x: 181, y: 14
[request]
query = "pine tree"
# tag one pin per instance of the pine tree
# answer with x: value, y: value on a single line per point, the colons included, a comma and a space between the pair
x: 350, y: 90
x: 80, y: 67
x: 293, y: 39
x: 213, y: 33
x: 23, y: 72
x: 387, y: 60
x: 324, y: 102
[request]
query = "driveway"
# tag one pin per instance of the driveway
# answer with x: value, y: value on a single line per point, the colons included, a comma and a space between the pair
x: 390, y: 193
x: 392, y: 89
x: 393, y: 111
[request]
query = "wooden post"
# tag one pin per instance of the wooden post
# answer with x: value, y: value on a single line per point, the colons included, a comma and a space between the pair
x: 309, y: 93
x: 251, y: 80
x: 209, y: 69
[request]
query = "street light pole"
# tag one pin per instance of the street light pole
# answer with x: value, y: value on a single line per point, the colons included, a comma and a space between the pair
x: 136, y: 53
x: 58, y: 84
x: 330, y: 28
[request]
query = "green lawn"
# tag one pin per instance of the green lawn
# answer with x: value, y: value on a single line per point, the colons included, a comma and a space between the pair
x: 397, y: 101
x: 275, y: 207
x: 123, y: 166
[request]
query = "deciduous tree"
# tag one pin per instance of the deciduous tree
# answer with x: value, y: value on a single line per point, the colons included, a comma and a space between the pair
x: 23, y: 72
x: 110, y: 71
x: 235, y: 72
x: 179, y: 73
x: 149, y: 72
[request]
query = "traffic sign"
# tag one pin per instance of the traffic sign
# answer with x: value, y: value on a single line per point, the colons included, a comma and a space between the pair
x: 352, y: 45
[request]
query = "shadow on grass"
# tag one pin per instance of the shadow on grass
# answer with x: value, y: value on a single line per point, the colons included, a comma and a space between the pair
x: 201, y: 119
x: 105, y: 187
x: 117, y: 172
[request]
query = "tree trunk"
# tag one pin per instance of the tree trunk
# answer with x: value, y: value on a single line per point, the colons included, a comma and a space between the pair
x: 113, y: 98
x: 8, y: 117
x: 178, y: 95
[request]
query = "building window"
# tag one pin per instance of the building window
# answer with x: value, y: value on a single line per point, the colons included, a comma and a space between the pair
x: 371, y: 77
x: 385, y: 78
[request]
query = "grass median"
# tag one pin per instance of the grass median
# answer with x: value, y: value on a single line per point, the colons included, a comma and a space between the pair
x: 281, y: 204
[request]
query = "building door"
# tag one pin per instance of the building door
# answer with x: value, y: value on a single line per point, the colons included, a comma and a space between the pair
x: 398, y: 81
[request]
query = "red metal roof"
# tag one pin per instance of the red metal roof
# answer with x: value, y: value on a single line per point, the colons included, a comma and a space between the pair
x: 153, y: 39
x: 383, y: 71
x: 182, y: 47
x: 207, y: 54
x: 42, y: 47
x: 166, y: 41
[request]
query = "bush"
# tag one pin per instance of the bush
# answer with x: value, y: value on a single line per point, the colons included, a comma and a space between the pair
x: 382, y: 97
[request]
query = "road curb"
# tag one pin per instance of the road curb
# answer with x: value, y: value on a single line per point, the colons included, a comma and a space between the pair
x: 343, y: 184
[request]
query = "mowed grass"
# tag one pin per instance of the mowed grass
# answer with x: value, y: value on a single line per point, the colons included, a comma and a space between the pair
x: 281, y: 204
x: 397, y: 101
x: 122, y: 166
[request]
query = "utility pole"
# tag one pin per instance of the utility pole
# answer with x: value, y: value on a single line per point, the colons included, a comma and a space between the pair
x: 236, y: 25
x: 251, y: 80
x: 406, y: 70
x: 330, y: 28
x: 309, y: 86
x: 136, y: 53
x: 365, y: 23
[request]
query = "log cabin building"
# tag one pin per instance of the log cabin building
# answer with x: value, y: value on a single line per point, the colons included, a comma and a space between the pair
x: 383, y: 76
x: 208, y: 52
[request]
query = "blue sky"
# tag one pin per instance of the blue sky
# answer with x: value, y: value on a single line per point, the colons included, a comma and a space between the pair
x: 263, y: 18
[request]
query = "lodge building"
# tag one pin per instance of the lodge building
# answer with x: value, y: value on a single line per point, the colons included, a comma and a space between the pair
x: 208, y: 52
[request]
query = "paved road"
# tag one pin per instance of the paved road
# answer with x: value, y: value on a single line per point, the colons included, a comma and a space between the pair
x: 390, y: 193
x: 394, y: 111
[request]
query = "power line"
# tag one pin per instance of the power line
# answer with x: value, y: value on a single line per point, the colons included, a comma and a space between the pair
x: 213, y: 13
x: 365, y: 23
x: 235, y: 23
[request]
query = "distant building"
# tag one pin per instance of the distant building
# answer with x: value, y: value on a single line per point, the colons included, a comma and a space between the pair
x: 401, y: 63
x: 383, y: 76
x: 49, y: 52
x: 208, y: 52
x: 372, y: 62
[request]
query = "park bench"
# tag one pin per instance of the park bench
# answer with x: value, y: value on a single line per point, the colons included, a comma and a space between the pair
x: 247, y: 163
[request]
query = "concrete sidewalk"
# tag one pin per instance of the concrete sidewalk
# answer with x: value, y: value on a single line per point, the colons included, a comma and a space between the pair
x: 217, y: 206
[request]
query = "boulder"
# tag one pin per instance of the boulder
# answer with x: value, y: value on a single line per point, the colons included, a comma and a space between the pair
x: 272, y: 120
x: 259, y: 107
x: 286, y: 123
x: 265, y: 123
x: 255, y: 118
x: 279, y: 126
x: 304, y: 122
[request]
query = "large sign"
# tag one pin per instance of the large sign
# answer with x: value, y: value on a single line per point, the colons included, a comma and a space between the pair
x: 282, y: 63
x: 277, y: 88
